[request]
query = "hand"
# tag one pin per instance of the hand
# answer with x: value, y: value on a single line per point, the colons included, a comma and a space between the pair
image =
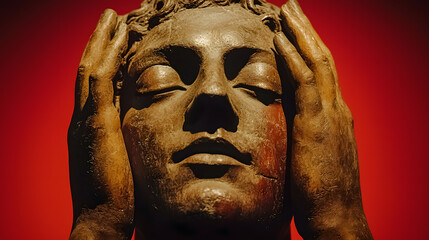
x: 100, y: 175
x: 325, y: 189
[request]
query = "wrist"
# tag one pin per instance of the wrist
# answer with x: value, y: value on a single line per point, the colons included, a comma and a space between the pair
x: 339, y: 222
x: 95, y: 231
x: 98, y: 224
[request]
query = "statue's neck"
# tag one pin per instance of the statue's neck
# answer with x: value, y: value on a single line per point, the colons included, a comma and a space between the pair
x: 167, y: 231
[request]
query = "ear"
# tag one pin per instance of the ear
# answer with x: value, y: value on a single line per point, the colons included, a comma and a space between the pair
x: 272, y: 22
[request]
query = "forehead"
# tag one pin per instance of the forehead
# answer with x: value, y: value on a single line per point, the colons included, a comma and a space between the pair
x: 209, y: 29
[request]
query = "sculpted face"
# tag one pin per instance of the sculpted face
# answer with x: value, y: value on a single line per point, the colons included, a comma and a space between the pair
x: 203, y: 121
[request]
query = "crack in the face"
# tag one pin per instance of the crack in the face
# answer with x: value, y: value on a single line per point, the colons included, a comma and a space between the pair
x: 269, y: 177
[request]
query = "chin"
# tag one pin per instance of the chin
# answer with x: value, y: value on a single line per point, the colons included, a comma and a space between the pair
x: 219, y: 202
x: 213, y: 209
x: 212, y: 200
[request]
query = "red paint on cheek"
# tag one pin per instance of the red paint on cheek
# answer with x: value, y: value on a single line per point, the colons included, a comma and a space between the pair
x: 273, y: 151
x: 265, y: 194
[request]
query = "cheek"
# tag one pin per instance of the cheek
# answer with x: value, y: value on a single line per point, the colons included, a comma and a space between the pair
x: 272, y: 151
x: 148, y: 161
x: 272, y: 164
x: 143, y: 151
x: 268, y: 197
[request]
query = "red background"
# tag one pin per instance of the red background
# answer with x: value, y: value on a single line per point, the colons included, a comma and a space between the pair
x: 381, y: 53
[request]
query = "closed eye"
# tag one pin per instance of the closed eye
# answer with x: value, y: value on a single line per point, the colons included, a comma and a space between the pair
x: 265, y: 96
x: 159, y: 94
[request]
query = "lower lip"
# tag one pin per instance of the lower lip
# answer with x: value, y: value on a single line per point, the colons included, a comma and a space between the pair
x: 210, y: 189
x: 211, y: 159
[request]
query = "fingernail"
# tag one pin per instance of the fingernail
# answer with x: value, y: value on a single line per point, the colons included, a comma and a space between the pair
x: 296, y: 5
x: 290, y: 2
x: 286, y: 8
x: 107, y: 12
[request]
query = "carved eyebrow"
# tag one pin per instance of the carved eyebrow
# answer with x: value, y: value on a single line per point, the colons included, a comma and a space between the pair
x: 235, y: 59
x: 186, y: 61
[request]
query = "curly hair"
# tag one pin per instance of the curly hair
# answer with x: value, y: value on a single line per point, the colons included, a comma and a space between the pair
x: 154, y: 12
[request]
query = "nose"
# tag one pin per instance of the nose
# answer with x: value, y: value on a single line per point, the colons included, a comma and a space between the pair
x: 211, y: 108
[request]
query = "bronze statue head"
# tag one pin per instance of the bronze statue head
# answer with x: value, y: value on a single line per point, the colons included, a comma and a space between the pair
x: 183, y: 127
x: 202, y: 115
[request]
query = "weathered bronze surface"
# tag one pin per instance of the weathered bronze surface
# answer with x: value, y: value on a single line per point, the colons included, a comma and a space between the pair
x: 182, y: 115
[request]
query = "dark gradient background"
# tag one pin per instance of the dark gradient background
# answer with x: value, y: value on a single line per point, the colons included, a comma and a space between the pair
x: 381, y: 52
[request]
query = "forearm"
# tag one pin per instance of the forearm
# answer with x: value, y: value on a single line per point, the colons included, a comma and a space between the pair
x: 102, y: 186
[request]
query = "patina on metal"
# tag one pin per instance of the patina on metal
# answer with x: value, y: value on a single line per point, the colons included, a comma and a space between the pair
x: 212, y: 120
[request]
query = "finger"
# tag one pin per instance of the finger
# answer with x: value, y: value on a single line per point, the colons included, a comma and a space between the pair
x: 307, y: 94
x: 102, y: 35
x: 308, y: 47
x: 101, y: 80
x: 300, y: 14
x: 98, y: 41
x: 118, y: 46
x: 322, y: 46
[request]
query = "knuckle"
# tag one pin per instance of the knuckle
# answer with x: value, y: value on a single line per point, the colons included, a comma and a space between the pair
x: 325, y: 61
x: 94, y: 76
x: 311, y: 128
x: 322, y: 60
x: 81, y: 70
x: 308, y: 77
x: 317, y: 106
x: 100, y: 72
x: 327, y: 52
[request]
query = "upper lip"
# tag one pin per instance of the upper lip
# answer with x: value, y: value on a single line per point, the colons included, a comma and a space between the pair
x: 212, y: 146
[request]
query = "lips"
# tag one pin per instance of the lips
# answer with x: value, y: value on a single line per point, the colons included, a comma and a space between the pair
x: 210, y: 151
